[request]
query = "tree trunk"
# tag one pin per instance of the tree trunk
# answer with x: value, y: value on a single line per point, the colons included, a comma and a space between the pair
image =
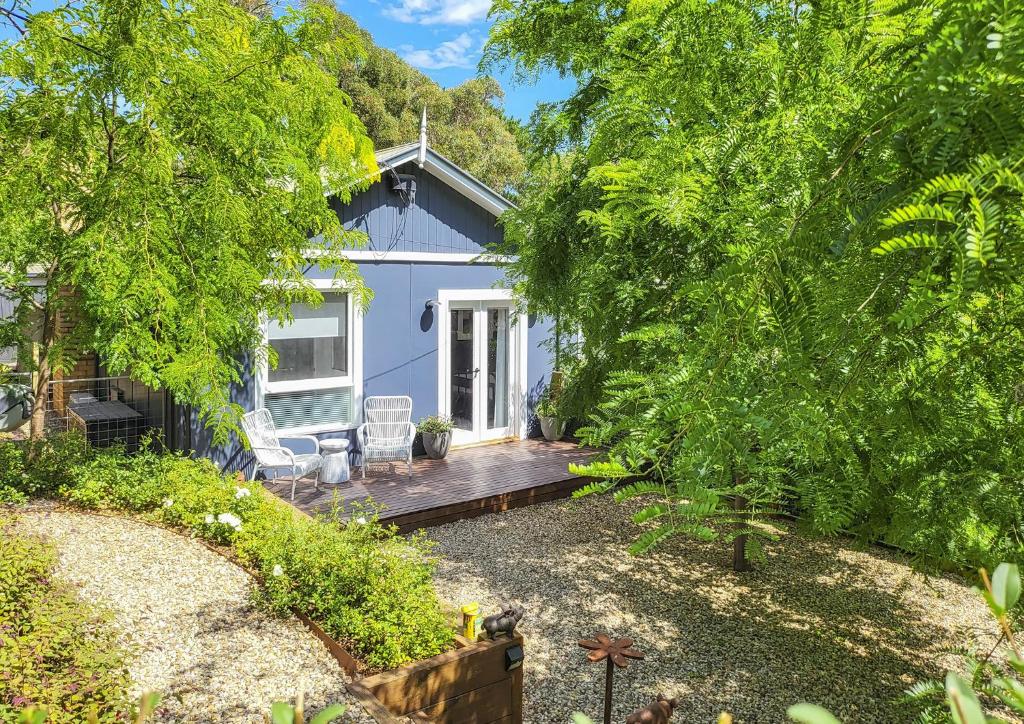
x: 739, y: 503
x: 44, y: 373
x: 739, y: 543
x: 558, y: 340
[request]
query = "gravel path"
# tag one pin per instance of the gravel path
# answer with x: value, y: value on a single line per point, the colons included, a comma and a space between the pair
x: 822, y: 621
x: 185, y: 613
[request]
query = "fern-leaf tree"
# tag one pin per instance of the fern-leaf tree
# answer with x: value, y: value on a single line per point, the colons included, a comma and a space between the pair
x: 163, y: 168
x: 790, y: 236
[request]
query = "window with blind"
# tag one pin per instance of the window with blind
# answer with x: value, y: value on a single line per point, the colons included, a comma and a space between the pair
x: 312, y: 385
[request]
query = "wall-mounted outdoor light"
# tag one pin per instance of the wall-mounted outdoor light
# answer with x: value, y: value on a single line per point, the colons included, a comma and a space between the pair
x: 514, y: 657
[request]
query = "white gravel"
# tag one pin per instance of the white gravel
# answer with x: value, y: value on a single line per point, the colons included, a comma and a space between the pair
x: 822, y: 621
x: 185, y: 614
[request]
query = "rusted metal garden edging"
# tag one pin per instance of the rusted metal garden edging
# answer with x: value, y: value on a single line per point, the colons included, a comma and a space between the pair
x: 463, y: 685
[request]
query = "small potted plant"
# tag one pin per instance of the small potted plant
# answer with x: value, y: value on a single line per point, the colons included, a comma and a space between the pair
x: 437, y: 435
x: 552, y: 426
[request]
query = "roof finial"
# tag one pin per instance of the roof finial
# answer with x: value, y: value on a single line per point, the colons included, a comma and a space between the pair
x: 422, y: 156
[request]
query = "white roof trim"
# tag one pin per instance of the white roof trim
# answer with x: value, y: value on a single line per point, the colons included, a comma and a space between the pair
x: 450, y: 174
x: 425, y: 257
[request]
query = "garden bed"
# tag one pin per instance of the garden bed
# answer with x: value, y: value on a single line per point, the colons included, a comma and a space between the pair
x: 364, y: 591
x: 186, y: 616
x: 821, y: 621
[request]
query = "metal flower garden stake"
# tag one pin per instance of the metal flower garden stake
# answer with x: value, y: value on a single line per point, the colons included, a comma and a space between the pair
x: 616, y: 653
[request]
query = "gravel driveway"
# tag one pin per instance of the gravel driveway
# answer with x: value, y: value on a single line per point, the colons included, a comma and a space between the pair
x: 822, y: 621
x: 185, y: 613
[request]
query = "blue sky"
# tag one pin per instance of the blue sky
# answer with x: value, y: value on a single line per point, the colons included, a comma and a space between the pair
x: 443, y: 38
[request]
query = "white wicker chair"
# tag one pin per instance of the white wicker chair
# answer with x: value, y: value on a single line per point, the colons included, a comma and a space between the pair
x: 388, y: 431
x: 271, y: 455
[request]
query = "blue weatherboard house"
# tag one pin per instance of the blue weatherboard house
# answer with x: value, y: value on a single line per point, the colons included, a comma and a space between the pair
x: 441, y: 328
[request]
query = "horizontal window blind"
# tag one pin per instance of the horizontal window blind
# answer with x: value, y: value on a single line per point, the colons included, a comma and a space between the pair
x: 311, y: 407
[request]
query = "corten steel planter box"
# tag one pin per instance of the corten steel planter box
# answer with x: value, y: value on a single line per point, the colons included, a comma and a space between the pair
x: 470, y: 685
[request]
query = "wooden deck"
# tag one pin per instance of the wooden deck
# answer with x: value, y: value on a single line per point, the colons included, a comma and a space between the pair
x: 469, y: 482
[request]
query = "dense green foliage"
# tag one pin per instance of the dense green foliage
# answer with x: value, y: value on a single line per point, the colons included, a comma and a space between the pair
x: 358, y: 579
x: 168, y: 161
x: 365, y: 585
x: 791, y: 237
x: 56, y: 651
x: 465, y: 122
x: 280, y: 713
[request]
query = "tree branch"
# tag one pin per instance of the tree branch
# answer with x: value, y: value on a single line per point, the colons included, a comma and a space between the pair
x: 19, y: 22
x: 14, y: 18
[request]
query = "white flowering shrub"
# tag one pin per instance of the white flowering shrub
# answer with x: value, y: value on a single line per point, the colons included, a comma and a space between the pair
x: 364, y: 584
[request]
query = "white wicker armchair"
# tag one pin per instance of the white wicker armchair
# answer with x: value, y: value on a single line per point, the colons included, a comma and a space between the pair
x: 271, y: 455
x: 388, y: 431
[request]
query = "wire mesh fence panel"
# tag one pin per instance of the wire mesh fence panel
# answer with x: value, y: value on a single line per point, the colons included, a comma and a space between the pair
x: 106, y: 410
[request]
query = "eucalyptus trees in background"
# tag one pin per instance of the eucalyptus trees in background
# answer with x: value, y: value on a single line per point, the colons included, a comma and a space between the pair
x: 791, y: 235
x: 466, y: 123
x: 160, y: 162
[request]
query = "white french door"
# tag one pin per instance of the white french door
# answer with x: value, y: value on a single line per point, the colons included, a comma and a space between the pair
x: 480, y: 368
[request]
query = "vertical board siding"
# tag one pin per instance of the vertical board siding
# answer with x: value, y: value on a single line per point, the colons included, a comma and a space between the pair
x: 399, y: 346
x: 436, y: 219
x: 400, y: 353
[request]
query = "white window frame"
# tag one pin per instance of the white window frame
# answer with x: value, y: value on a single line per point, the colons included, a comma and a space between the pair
x: 520, y: 374
x: 353, y: 379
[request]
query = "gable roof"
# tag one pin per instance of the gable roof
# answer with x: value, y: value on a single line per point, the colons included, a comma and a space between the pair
x: 448, y: 172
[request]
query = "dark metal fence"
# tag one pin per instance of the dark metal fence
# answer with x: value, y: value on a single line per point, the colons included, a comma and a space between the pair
x: 107, y: 410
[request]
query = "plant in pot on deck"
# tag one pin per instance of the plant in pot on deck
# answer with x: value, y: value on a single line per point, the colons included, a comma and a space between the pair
x: 437, y: 435
x: 552, y: 424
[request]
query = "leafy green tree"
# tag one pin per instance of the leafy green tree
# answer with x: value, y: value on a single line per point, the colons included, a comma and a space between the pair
x: 791, y: 237
x: 163, y: 167
x: 465, y: 122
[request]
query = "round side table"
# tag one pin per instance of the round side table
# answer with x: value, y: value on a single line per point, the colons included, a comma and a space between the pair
x: 335, y: 454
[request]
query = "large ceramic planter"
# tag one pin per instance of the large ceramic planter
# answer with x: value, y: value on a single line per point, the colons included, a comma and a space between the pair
x: 552, y: 428
x: 15, y: 406
x: 436, y: 446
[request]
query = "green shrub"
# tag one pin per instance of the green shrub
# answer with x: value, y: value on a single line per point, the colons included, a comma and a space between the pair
x: 435, y: 424
x: 55, y: 651
x: 549, y: 404
x: 12, y: 470
x: 54, y: 460
x: 367, y: 586
x: 281, y: 712
x: 357, y: 578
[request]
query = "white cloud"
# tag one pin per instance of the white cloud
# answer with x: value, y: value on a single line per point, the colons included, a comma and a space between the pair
x: 454, y: 53
x: 439, y: 12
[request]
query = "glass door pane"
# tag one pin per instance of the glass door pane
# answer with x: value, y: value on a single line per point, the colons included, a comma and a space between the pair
x: 463, y: 366
x: 497, y: 367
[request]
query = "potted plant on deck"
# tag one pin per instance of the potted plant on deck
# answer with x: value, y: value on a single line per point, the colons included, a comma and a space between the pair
x: 437, y: 435
x: 552, y: 425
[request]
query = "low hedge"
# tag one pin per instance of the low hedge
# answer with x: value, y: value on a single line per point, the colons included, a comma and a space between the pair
x: 368, y: 587
x: 56, y: 651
